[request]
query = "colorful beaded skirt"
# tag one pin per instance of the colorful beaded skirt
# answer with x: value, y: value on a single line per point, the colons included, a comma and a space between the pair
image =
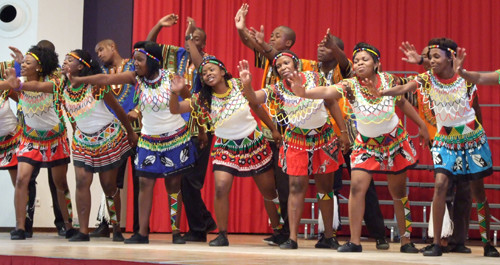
x: 390, y: 153
x: 462, y: 152
x: 103, y: 150
x: 245, y: 157
x: 165, y: 155
x: 306, y: 152
x: 44, y: 148
x: 8, y: 145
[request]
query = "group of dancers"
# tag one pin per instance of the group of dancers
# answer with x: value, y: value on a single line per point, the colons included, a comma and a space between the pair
x: 313, y: 115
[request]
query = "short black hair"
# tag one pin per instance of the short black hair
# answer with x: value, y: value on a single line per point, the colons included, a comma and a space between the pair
x: 154, y: 49
x: 289, y: 33
x: 364, y: 45
x: 94, y: 66
x: 47, y: 58
x: 444, y: 44
x: 295, y: 63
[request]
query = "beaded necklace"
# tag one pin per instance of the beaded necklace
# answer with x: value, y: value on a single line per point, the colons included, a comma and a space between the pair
x: 227, y: 104
x: 447, y: 100
x: 3, y: 97
x: 36, y: 103
x: 366, y: 107
x: 154, y: 95
x: 298, y: 110
x: 80, y: 101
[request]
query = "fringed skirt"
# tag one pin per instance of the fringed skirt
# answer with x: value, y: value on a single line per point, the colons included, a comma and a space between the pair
x: 101, y: 151
x: 44, y: 148
x: 245, y: 157
x: 8, y: 145
x: 462, y: 152
x: 390, y: 153
x: 306, y: 152
x: 165, y: 155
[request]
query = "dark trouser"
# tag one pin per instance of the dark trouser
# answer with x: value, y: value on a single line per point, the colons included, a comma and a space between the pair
x: 282, y: 185
x: 373, y: 217
x: 58, y: 219
x: 460, y: 212
x: 199, y: 218
x: 120, y: 180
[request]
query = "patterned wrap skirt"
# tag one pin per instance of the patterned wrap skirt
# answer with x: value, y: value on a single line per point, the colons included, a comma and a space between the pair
x: 390, y: 153
x: 462, y: 152
x: 245, y: 157
x: 44, y: 148
x: 307, y: 152
x: 101, y: 151
x: 8, y: 146
x: 168, y: 154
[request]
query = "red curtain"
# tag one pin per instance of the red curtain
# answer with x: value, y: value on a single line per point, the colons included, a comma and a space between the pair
x: 474, y: 25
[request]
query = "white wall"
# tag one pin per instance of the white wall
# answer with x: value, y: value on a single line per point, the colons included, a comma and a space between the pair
x: 60, y: 21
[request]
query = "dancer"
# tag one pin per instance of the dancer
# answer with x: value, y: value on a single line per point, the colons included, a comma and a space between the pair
x: 240, y: 149
x: 43, y: 142
x: 382, y: 144
x: 310, y: 145
x: 460, y: 149
x: 164, y: 149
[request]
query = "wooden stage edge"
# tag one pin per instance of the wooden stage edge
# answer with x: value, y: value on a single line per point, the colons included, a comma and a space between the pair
x: 48, y: 248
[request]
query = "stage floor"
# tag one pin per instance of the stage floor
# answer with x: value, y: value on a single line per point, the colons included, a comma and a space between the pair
x: 243, y: 249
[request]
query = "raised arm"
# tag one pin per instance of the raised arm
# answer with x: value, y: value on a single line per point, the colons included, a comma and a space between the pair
x: 195, y: 54
x: 321, y: 92
x: 488, y: 78
x: 411, y: 113
x: 338, y: 53
x: 122, y: 116
x: 166, y: 21
x: 253, y: 97
x: 395, y: 90
x: 411, y: 54
x: 178, y: 88
x: 127, y: 77
x: 12, y: 82
x: 243, y: 31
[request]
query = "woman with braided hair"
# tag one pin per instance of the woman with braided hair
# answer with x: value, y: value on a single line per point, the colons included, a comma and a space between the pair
x: 382, y: 144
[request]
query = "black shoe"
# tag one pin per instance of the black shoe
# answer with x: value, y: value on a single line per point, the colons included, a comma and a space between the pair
x: 381, y: 244
x: 101, y: 231
x: 17, y: 234
x: 459, y: 248
x: 220, y: 241
x: 178, y: 239
x: 195, y: 236
x: 137, y: 239
x: 350, y: 247
x: 433, y: 250
x: 211, y: 227
x: 289, y: 244
x: 79, y: 237
x: 28, y: 234
x: 117, y: 236
x: 327, y: 243
x: 490, y: 251
x: 70, y: 233
x: 277, y: 238
x: 61, y: 231
x: 408, y: 248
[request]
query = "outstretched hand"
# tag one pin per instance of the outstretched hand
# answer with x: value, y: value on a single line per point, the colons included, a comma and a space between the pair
x: 371, y: 88
x: 245, y: 74
x: 178, y: 84
x: 411, y: 54
x: 327, y: 40
x: 295, y: 80
x: 12, y: 79
x: 191, y: 26
x: 168, y: 20
x: 16, y: 54
x: 239, y: 19
x: 458, y: 61
x: 74, y: 80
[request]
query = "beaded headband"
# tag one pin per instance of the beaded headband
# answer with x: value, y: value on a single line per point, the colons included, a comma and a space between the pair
x: 34, y: 56
x: 79, y: 59
x: 213, y: 61
x: 367, y: 50
x: 442, y: 48
x: 147, y: 54
x: 294, y: 58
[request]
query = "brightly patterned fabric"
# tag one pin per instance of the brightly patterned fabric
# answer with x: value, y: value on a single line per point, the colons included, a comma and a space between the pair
x: 44, y: 148
x: 408, y: 221
x: 462, y: 152
x: 165, y: 155
x: 481, y: 218
x: 173, y: 209
x: 390, y: 153
x: 245, y: 157
x: 100, y: 151
x: 81, y: 101
x: 310, y: 151
x: 8, y: 145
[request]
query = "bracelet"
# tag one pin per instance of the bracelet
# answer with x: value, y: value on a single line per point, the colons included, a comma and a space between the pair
x: 421, y: 60
x: 19, y: 88
x: 343, y: 131
x: 136, y: 111
x: 270, y: 49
